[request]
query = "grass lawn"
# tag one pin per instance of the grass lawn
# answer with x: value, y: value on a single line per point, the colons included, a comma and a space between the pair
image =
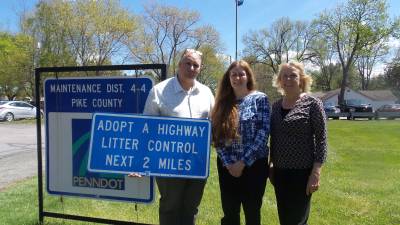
x: 360, y: 185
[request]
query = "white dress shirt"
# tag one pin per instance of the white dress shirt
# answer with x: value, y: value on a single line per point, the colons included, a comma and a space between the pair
x: 168, y: 98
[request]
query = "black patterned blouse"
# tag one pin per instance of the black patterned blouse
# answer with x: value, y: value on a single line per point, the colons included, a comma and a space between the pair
x: 299, y: 138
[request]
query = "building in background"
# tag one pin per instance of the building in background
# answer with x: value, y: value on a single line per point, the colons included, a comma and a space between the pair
x: 375, y: 98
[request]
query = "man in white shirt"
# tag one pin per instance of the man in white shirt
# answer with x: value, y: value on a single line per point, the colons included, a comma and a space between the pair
x: 181, y: 96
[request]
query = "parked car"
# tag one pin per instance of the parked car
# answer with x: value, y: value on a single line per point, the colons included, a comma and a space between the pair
x: 11, y: 110
x: 331, y: 111
x: 390, y: 111
x: 357, y: 108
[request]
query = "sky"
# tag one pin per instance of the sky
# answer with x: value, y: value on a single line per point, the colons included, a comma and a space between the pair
x: 252, y: 15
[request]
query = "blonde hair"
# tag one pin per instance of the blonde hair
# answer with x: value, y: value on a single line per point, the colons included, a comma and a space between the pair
x: 305, y: 79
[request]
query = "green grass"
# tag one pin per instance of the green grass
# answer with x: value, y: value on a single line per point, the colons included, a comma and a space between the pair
x: 360, y: 185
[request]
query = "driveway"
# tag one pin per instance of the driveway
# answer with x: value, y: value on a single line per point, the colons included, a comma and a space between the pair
x: 18, y: 152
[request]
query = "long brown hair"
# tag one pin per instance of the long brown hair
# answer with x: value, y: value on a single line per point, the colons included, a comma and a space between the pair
x: 224, y: 115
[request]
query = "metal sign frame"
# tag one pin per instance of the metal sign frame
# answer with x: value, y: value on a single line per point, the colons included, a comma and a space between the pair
x: 38, y: 72
x: 68, y: 113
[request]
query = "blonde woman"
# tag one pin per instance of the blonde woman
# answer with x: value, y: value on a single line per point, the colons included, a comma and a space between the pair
x: 298, y: 144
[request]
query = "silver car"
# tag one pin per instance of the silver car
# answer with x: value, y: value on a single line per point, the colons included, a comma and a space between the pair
x: 11, y: 110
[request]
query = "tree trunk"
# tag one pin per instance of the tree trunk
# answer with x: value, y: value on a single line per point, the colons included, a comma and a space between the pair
x: 363, y: 86
x: 343, y: 86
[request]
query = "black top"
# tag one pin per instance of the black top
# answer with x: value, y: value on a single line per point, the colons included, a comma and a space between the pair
x: 284, y: 112
x: 298, y: 136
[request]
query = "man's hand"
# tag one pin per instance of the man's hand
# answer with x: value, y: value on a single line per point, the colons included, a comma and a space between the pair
x: 134, y: 175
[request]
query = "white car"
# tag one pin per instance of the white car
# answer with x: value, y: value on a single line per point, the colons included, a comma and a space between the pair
x: 11, y: 110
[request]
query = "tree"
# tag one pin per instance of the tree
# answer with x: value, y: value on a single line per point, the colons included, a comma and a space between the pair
x: 167, y: 32
x: 264, y: 77
x: 353, y: 27
x: 212, y: 68
x: 367, y: 59
x: 166, y: 29
x: 325, y: 58
x: 14, y: 64
x: 284, y: 41
x: 91, y: 32
x: 378, y: 83
x: 97, y: 30
x: 46, y: 27
x: 74, y: 33
x: 206, y: 36
x: 392, y: 75
x: 328, y: 77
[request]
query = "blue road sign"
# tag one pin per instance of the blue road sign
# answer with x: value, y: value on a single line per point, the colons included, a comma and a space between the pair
x: 69, y: 107
x: 150, y: 145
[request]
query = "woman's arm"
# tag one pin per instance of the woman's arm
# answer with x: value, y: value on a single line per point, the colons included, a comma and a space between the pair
x: 318, y: 122
x: 262, y: 132
x: 225, y: 156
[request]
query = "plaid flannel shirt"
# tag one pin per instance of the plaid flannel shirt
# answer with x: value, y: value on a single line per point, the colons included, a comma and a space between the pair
x: 254, y: 127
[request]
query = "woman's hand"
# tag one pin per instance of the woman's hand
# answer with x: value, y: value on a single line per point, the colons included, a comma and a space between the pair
x: 312, y: 184
x: 236, y: 169
x: 313, y: 179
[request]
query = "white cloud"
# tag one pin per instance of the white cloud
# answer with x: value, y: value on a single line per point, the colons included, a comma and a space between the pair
x: 308, y: 66
x: 378, y: 69
x: 394, y: 43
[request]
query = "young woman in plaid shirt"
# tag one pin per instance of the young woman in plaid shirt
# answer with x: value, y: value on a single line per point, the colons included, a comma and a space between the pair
x: 240, y: 121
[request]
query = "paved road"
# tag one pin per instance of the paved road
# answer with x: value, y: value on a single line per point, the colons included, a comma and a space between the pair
x: 18, y: 152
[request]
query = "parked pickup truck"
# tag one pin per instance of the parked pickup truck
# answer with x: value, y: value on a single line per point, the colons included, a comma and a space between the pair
x: 357, y: 109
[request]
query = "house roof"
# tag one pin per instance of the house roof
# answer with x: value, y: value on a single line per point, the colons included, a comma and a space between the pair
x: 325, y: 95
x: 379, y: 95
x: 330, y: 94
x: 376, y: 95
